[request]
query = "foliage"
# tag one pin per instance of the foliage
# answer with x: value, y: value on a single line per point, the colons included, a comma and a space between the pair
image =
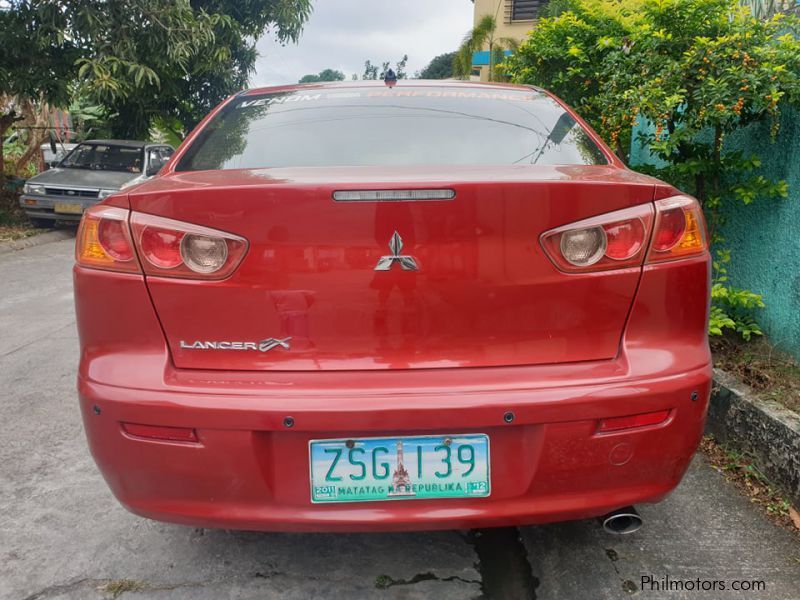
x: 33, y: 128
x: 555, y: 8
x: 14, y: 150
x: 372, y: 72
x: 89, y: 120
x: 326, y: 75
x: 689, y: 73
x: 440, y: 67
x: 138, y: 58
x: 479, y: 37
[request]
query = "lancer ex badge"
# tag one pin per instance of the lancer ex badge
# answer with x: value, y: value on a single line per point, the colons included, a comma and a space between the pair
x: 262, y: 346
x: 407, y: 263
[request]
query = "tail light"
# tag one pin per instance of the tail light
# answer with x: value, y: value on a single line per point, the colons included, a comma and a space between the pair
x: 623, y: 238
x: 165, y: 247
x: 610, y: 241
x: 104, y: 240
x: 169, y: 248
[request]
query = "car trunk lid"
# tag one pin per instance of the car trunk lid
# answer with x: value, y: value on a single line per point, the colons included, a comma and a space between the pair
x: 349, y: 285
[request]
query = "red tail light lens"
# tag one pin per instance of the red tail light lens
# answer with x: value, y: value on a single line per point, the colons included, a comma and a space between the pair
x: 115, y: 239
x: 104, y: 241
x: 625, y: 239
x: 609, y: 241
x: 161, y: 247
x: 680, y: 229
x: 672, y: 225
x: 170, y: 248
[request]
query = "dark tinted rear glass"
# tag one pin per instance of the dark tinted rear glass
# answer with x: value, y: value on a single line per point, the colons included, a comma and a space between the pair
x: 391, y: 126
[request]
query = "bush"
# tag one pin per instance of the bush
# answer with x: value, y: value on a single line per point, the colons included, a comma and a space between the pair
x: 10, y: 212
x: 689, y: 73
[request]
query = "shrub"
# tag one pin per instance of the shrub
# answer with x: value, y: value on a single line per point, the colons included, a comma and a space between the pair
x: 689, y: 73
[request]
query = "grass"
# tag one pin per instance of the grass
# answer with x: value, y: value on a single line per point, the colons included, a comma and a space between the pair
x: 738, y: 468
x: 774, y: 374
x: 9, y: 233
x: 118, y: 587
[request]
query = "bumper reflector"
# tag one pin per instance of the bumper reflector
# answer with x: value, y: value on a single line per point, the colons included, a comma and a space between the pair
x: 632, y: 421
x: 156, y: 432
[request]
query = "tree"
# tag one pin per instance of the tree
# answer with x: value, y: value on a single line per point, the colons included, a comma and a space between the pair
x: 440, y: 67
x: 689, y: 73
x: 373, y: 71
x: 480, y: 37
x: 326, y: 75
x: 141, y: 59
x: 32, y: 68
x: 36, y: 118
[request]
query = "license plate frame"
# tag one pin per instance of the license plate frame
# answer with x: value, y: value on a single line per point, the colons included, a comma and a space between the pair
x: 426, y: 478
x: 68, y: 208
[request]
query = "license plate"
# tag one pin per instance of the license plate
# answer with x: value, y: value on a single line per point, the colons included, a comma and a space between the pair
x: 400, y: 468
x: 68, y: 208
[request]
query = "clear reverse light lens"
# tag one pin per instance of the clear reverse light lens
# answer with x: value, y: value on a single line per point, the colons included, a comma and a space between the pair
x: 203, y: 254
x: 583, y: 247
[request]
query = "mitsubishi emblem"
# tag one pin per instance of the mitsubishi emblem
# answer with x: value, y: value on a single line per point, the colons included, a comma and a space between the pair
x: 407, y: 263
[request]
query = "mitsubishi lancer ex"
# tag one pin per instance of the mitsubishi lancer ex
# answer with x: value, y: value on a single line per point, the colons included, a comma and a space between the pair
x: 363, y: 307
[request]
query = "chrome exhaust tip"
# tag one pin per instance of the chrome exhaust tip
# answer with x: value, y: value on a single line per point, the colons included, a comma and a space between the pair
x: 622, y: 521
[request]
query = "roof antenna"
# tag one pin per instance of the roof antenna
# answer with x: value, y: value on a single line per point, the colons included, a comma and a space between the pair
x: 390, y: 78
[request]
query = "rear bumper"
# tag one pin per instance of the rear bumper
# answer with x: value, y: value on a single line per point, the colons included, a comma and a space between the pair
x: 249, y: 471
x: 43, y: 207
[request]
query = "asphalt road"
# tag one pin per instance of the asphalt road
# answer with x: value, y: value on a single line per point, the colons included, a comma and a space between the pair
x: 62, y: 534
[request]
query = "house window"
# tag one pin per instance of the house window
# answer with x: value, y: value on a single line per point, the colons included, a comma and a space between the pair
x: 525, y: 10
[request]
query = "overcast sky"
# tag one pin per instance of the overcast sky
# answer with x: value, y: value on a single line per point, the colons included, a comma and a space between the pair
x: 342, y: 34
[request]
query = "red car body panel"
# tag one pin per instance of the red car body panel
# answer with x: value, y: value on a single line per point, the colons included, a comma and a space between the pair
x: 488, y: 327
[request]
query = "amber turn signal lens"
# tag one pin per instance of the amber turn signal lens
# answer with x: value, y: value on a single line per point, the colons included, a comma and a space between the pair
x: 104, y: 240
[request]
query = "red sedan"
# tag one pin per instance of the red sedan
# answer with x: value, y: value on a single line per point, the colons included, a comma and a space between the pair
x: 371, y: 307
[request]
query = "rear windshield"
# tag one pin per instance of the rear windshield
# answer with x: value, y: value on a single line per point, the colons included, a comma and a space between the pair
x: 391, y: 127
x: 105, y: 157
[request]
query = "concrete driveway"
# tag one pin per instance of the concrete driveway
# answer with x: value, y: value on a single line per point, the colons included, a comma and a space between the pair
x: 62, y: 534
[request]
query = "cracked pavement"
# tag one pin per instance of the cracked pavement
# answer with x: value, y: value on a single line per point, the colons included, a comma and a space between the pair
x: 63, y: 536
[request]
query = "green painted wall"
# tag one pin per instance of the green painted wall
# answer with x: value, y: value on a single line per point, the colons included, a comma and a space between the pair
x: 764, y: 237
